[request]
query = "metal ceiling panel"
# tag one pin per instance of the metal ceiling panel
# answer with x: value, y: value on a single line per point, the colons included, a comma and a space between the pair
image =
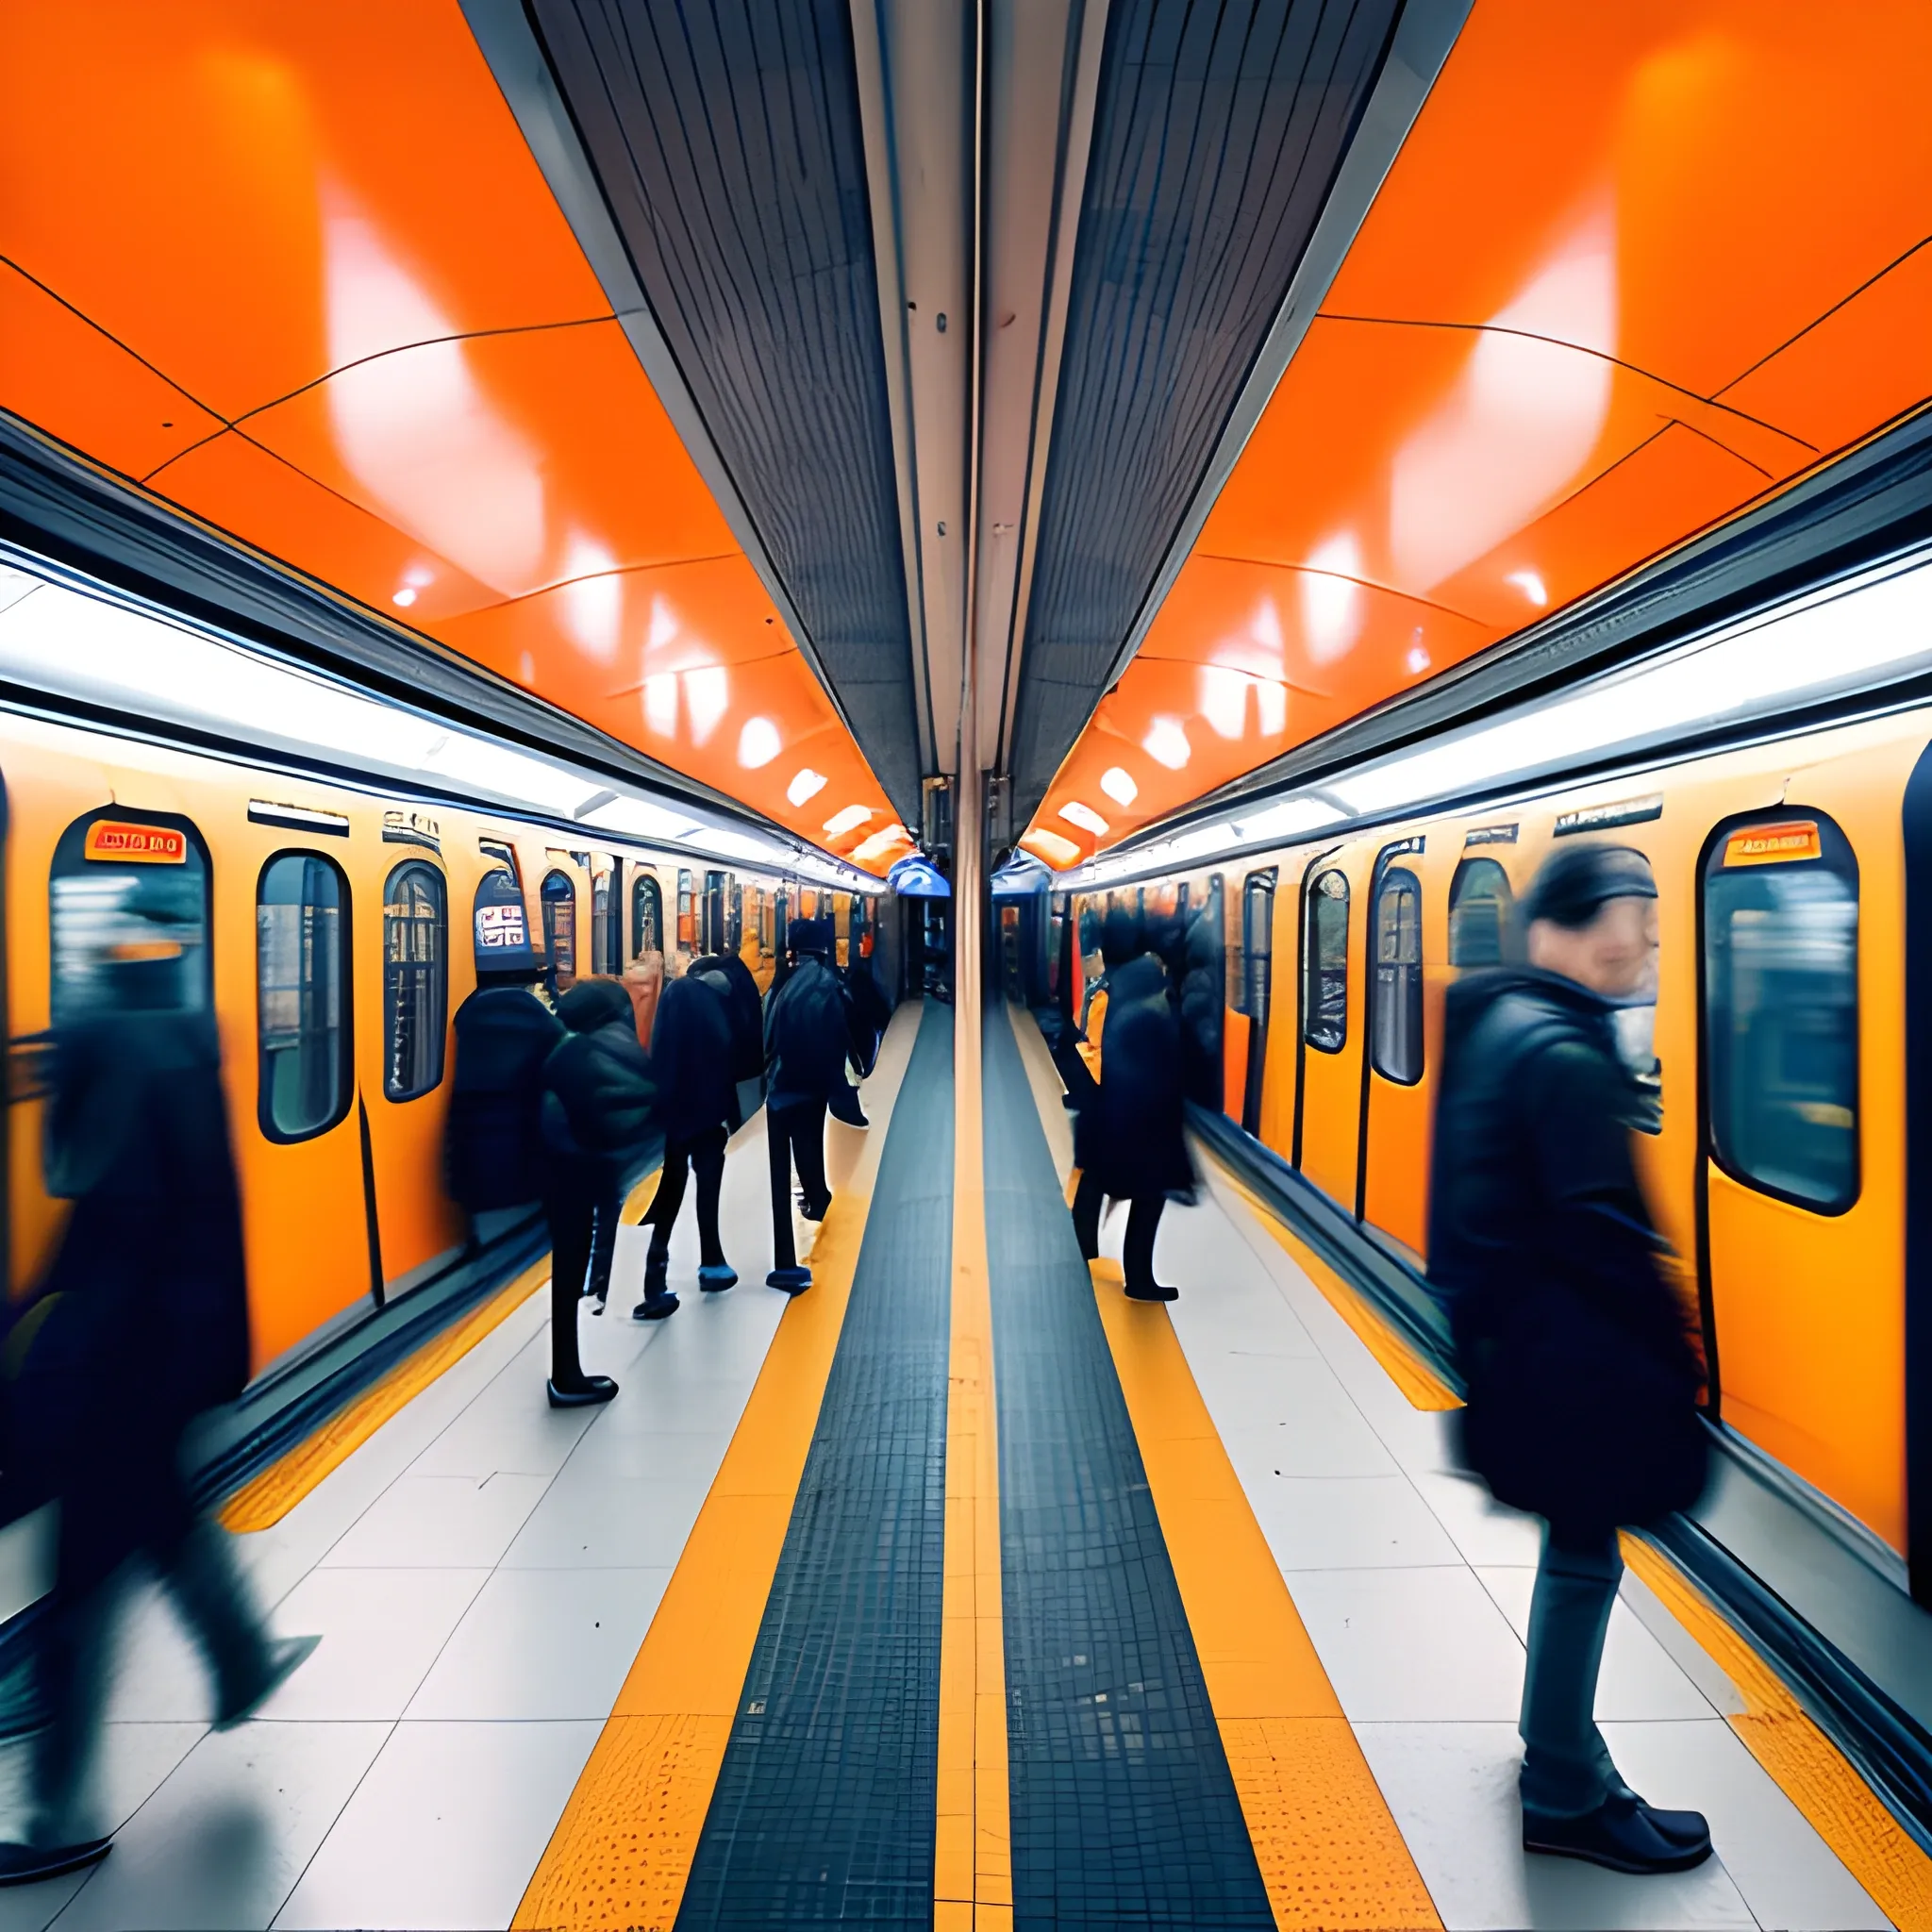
x: 1219, y: 130
x: 729, y: 145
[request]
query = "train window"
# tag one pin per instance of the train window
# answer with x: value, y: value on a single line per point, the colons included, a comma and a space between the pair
x: 1480, y: 902
x: 646, y: 915
x: 687, y: 913
x: 1395, y: 993
x: 1781, y: 1009
x: 302, y: 967
x: 129, y: 902
x: 560, y: 901
x: 1258, y: 943
x: 1324, y: 964
x: 500, y: 933
x: 602, y: 951
x: 733, y: 936
x: 711, y: 931
x: 415, y: 979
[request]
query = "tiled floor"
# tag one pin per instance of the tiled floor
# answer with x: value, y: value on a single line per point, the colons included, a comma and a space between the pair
x: 1415, y: 1590
x: 482, y: 1571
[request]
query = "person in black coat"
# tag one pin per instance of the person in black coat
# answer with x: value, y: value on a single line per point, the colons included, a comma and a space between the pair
x: 598, y: 1118
x: 808, y: 1035
x: 1582, y: 1379
x: 748, y: 1010
x: 492, y: 1146
x: 690, y: 1059
x: 1130, y: 1139
x: 140, y: 1324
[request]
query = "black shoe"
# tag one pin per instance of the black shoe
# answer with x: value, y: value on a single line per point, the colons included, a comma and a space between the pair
x: 716, y: 1276
x: 792, y: 1280
x: 23, y: 1864
x: 1153, y: 1291
x: 1675, y: 1827
x: 653, y: 1308
x: 1617, y: 1836
x: 286, y: 1656
x: 592, y: 1389
x: 814, y: 1211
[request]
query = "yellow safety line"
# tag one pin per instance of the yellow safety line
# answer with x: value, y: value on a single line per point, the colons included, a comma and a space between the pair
x: 1330, y: 1850
x: 268, y: 1496
x: 1801, y: 1759
x: 621, y: 1853
x: 973, y: 1860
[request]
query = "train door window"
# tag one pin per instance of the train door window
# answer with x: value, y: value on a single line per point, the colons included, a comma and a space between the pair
x: 1781, y: 1009
x: 302, y: 965
x: 601, y: 948
x: 1257, y: 944
x: 560, y: 900
x: 646, y: 915
x: 500, y: 931
x: 1324, y: 964
x: 128, y: 901
x: 711, y: 930
x: 734, y: 937
x: 687, y: 913
x: 1479, y: 904
x: 1395, y: 991
x: 416, y: 978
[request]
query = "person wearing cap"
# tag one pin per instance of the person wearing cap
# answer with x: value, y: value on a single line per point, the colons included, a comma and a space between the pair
x: 1582, y: 1381
x: 807, y: 1036
x: 597, y: 1116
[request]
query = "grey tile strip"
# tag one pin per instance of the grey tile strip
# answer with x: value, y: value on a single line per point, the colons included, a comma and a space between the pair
x: 827, y: 1797
x: 1124, y: 1809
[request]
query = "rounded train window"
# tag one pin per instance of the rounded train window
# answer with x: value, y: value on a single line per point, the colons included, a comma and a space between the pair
x: 1480, y: 902
x: 1395, y: 991
x: 1324, y: 964
x: 646, y: 916
x: 129, y: 918
x: 1781, y: 1008
x: 415, y: 979
x: 301, y: 1003
x: 560, y: 901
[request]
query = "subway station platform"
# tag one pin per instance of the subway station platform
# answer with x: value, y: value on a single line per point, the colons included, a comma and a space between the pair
x: 958, y: 1591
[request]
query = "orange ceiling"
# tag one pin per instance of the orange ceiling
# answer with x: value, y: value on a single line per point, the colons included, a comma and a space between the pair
x: 1635, y: 267
x: 295, y: 269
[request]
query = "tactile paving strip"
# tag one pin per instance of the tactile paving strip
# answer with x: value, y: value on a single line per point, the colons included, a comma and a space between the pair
x: 826, y: 1805
x: 1124, y: 1810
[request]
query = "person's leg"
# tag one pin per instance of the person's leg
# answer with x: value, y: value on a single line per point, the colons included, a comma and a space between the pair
x: 1566, y: 1768
x: 1136, y: 1254
x: 570, y: 1204
x: 808, y: 1152
x: 1089, y: 1198
x: 605, y: 1210
x: 708, y: 1162
x: 778, y: 1147
x: 668, y: 1201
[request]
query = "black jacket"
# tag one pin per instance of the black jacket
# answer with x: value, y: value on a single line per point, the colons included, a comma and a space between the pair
x: 808, y: 1035
x: 492, y: 1149
x: 600, y: 1097
x: 1130, y: 1135
x: 1581, y: 1376
x: 747, y: 1008
x: 690, y: 1058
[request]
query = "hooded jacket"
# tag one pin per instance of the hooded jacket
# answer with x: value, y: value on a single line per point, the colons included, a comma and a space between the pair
x: 1129, y: 1134
x: 492, y: 1147
x: 807, y: 1036
x: 1582, y: 1378
x: 690, y: 1056
x: 600, y: 1098
x: 747, y: 1011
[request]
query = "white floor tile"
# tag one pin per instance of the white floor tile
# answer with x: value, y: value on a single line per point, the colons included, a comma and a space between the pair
x: 1313, y: 1523
x: 589, y: 1520
x: 1320, y: 1439
x: 380, y: 1630
x: 224, y: 1840
x: 1411, y: 1645
x: 1483, y: 1529
x: 436, y: 1522
x: 543, y: 1645
x: 159, y: 1675
x: 1638, y: 1680
x: 639, y: 1455
x: 443, y: 1833
x: 1790, y: 1877
x: 1452, y: 1788
x: 482, y: 1442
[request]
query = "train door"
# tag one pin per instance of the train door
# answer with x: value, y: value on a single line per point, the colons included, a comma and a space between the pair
x: 1799, y: 1245
x: 1391, y: 1167
x: 1258, y: 967
x: 1329, y: 1050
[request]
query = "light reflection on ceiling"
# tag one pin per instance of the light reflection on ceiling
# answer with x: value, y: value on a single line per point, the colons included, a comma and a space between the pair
x: 1634, y: 268
x: 295, y: 269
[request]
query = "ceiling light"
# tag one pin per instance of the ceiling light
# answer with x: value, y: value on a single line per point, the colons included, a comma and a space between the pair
x: 1058, y: 852
x: 1118, y: 783
x: 1167, y: 744
x: 1530, y: 584
x: 757, y: 743
x: 805, y: 784
x: 1084, y: 817
x: 406, y: 596
x: 847, y: 820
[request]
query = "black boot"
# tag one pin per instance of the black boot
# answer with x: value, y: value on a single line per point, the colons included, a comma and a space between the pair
x: 658, y: 1301
x: 1619, y: 1835
x: 581, y: 1393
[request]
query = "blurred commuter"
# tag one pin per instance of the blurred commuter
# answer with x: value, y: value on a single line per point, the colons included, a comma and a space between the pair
x: 597, y: 1117
x: 1130, y: 1139
x: 747, y: 1010
x: 697, y: 1099
x: 493, y: 1143
x: 140, y: 1324
x: 807, y: 1040
x: 869, y: 1010
x: 1581, y: 1377
x: 1202, y: 1002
